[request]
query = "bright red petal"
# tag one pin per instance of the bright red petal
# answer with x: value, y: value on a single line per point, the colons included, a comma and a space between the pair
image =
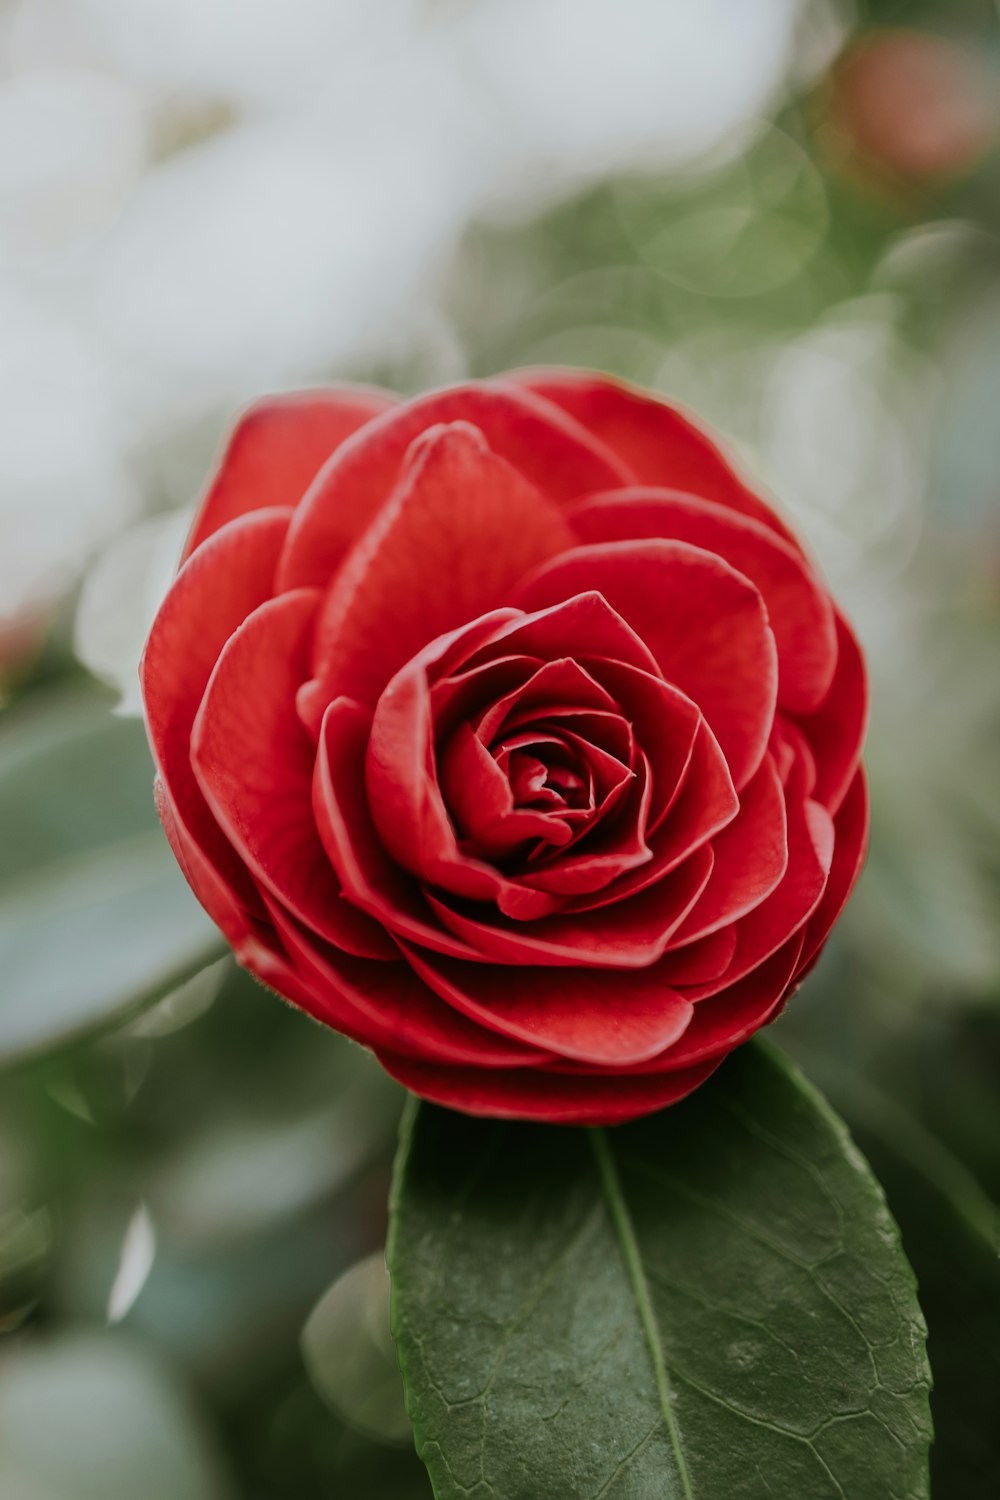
x: 369, y: 877
x: 660, y: 446
x: 792, y: 902
x: 751, y: 856
x: 254, y: 763
x: 798, y: 607
x: 215, y: 591
x: 837, y: 728
x: 459, y: 531
x: 552, y: 453
x: 850, y: 847
x: 277, y: 449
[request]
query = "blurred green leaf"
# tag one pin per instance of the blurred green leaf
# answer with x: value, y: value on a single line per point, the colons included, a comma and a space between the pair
x: 90, y: 1416
x: 349, y: 1353
x: 709, y: 1301
x: 95, y: 917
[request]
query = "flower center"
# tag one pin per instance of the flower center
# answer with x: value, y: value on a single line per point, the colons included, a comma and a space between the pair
x: 544, y: 776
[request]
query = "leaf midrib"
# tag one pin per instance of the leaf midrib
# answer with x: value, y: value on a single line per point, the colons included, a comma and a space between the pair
x: 621, y: 1219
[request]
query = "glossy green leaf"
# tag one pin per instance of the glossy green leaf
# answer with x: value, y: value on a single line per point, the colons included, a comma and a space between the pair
x: 95, y: 917
x: 951, y: 1234
x: 708, y: 1303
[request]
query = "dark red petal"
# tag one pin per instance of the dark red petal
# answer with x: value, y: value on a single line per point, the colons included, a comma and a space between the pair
x: 665, y: 723
x: 369, y: 877
x: 387, y: 1005
x: 850, y: 828
x: 794, y: 899
x: 408, y: 810
x: 551, y: 451
x: 405, y: 799
x: 459, y: 530
x: 630, y: 934
x: 605, y: 848
x: 793, y: 754
x: 660, y: 446
x: 539, y: 1094
x: 705, y: 623
x: 751, y: 856
x: 277, y: 448
x: 230, y: 576
x: 729, y: 1018
x: 705, y: 804
x: 479, y: 798
x: 254, y: 763
x: 699, y: 962
x: 557, y: 686
x: 600, y: 1016
x: 798, y: 606
x: 836, y: 730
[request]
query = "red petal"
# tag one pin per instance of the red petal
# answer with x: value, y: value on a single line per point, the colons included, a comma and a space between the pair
x: 460, y: 529
x: 481, y: 803
x: 592, y: 1015
x: 850, y: 828
x: 254, y: 763
x: 228, y: 912
x: 276, y: 450
x: 583, y: 627
x: 666, y: 725
x: 798, y: 607
x: 387, y: 1005
x: 731, y: 1017
x: 837, y: 729
x: 538, y: 1094
x: 630, y: 934
x: 794, y: 899
x: 699, y: 962
x: 369, y: 877
x: 561, y: 686
x: 660, y: 446
x: 751, y: 856
x: 549, y: 449
x: 408, y: 809
x: 706, y: 804
x: 215, y: 591
x: 704, y: 622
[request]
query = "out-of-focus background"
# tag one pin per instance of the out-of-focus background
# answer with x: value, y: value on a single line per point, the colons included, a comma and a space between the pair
x: 784, y: 214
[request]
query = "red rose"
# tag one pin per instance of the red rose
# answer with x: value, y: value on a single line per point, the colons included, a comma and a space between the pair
x: 506, y: 731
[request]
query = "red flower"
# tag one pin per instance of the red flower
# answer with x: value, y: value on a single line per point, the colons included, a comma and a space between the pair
x: 506, y: 731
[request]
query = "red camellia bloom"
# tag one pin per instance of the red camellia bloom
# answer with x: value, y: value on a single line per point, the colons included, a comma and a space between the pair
x: 508, y: 732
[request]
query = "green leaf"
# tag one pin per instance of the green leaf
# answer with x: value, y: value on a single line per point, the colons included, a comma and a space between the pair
x: 708, y: 1303
x: 347, y: 1350
x: 95, y: 917
x: 951, y: 1234
x: 91, y: 1415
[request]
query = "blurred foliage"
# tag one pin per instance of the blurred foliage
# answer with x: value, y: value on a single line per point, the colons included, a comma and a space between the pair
x: 182, y: 1190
